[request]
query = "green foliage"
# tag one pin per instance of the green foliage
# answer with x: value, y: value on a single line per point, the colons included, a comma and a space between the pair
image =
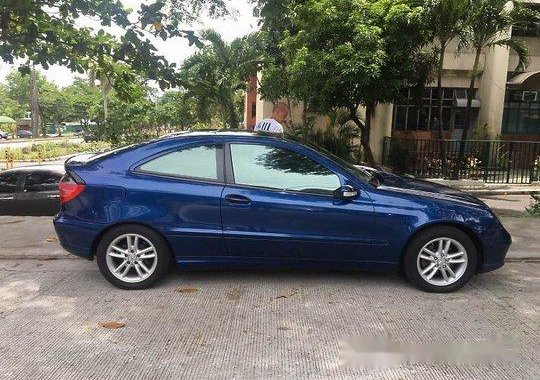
x: 215, y: 77
x: 534, y: 208
x: 10, y: 107
x: 47, y: 150
x: 128, y: 122
x: 176, y: 109
x: 347, y: 53
x: 488, y: 24
x: 72, y: 103
x: 47, y: 32
x: 481, y: 132
x: 337, y: 138
x: 399, y: 156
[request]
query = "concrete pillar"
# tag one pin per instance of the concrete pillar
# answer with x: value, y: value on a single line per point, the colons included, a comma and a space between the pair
x: 250, y: 100
x: 381, y: 126
x: 492, y: 89
x: 264, y: 107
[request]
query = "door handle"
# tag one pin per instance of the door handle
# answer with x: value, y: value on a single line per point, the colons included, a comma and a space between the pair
x: 53, y: 196
x: 237, y: 199
x: 6, y: 198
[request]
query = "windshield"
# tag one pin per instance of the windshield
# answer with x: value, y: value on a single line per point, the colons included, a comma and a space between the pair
x: 363, y: 174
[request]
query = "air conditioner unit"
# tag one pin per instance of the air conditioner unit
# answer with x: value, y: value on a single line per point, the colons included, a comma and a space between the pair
x: 529, y: 96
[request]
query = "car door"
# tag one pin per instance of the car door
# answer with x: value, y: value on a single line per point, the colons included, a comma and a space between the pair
x: 10, y: 186
x: 279, y: 203
x: 181, y: 193
x: 40, y: 195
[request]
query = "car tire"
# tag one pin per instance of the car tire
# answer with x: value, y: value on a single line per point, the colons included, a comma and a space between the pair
x: 133, y: 256
x: 450, y: 268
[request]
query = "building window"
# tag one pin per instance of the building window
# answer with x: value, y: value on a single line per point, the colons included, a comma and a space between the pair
x: 253, y: 109
x: 521, y: 112
x: 411, y: 113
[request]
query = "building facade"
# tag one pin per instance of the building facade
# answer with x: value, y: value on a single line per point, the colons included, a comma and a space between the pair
x: 506, y: 104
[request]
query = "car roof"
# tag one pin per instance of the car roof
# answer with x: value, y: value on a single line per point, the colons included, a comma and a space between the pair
x: 37, y: 168
x: 217, y: 132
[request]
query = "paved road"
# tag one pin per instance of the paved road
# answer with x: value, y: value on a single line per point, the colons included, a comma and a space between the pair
x: 256, y: 325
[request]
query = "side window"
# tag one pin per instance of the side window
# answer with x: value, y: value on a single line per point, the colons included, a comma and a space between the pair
x: 8, y: 182
x: 41, y: 181
x: 196, y: 162
x: 277, y: 168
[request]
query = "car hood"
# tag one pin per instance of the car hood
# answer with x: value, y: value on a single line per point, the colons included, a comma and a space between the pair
x: 390, y: 181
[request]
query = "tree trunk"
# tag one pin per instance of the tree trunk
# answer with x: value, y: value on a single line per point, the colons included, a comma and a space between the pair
x: 289, y: 116
x: 105, y: 105
x: 364, y: 132
x: 34, y: 104
x: 468, y: 115
x: 233, y: 122
x: 440, y: 94
x: 470, y: 96
x: 440, y: 109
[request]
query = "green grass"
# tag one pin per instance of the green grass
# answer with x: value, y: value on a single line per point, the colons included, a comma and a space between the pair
x: 48, y: 150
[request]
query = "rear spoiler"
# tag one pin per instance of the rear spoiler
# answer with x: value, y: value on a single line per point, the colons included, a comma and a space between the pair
x: 79, y: 160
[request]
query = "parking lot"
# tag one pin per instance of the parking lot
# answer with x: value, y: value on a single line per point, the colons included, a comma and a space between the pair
x: 256, y: 324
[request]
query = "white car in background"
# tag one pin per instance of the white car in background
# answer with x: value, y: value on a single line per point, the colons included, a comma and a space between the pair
x: 4, y: 135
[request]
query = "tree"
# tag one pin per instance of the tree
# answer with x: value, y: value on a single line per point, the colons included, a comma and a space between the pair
x: 350, y: 53
x: 447, y: 21
x: 129, y: 121
x: 488, y: 24
x: 53, y: 108
x: 277, y: 20
x: 10, y: 107
x: 216, y: 76
x: 81, y: 97
x: 47, y: 32
x: 21, y: 89
x: 176, y: 109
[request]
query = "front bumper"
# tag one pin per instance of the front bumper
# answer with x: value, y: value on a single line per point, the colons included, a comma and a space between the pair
x: 495, y: 248
x: 76, y: 236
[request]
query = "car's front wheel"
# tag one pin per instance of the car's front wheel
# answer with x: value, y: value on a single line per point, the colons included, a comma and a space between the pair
x: 133, y: 256
x: 440, y: 259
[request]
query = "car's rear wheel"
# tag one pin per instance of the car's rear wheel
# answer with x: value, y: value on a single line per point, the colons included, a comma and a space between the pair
x: 440, y: 259
x: 133, y: 257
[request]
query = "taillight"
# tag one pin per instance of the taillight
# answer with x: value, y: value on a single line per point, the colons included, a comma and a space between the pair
x: 69, y: 189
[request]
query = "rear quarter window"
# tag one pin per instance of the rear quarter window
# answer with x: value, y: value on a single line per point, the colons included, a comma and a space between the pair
x: 198, y: 162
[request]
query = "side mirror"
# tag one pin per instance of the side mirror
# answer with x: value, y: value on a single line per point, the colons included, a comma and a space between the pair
x: 346, y: 192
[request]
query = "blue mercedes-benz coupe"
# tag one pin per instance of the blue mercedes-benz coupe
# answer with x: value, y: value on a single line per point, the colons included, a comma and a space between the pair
x: 238, y: 199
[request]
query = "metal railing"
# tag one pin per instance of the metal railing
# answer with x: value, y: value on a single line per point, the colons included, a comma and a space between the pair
x: 491, y: 161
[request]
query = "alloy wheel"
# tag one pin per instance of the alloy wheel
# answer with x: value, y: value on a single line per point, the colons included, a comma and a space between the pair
x: 442, y: 261
x: 131, y: 258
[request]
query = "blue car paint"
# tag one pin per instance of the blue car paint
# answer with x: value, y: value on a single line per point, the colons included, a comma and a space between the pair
x: 277, y: 227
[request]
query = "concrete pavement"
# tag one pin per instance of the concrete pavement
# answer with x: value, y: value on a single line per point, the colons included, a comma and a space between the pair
x: 260, y: 325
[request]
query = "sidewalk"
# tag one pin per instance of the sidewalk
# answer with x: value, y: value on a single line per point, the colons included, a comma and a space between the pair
x: 35, y: 238
x: 482, y: 188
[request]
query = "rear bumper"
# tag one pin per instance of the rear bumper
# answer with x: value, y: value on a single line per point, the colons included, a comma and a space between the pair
x: 77, y: 237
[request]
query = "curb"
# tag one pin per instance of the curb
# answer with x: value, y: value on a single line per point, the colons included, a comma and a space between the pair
x: 39, y: 257
x: 501, y: 192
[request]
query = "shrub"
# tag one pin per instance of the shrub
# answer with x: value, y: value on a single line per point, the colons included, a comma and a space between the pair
x: 534, y: 208
x: 399, y: 156
x: 338, y: 137
x: 48, y: 150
